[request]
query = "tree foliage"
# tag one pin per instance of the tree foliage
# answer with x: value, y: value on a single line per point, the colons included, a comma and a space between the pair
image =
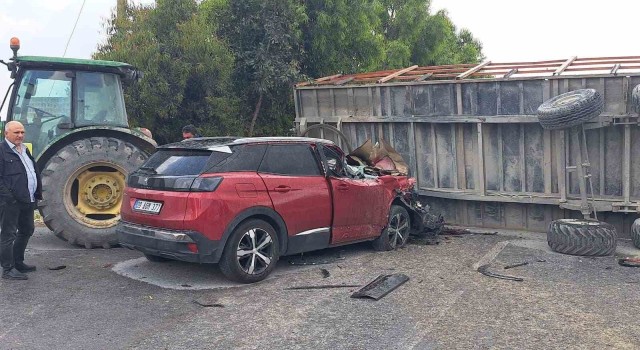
x: 228, y: 66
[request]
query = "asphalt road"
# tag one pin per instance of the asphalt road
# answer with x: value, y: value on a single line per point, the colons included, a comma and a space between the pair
x: 115, y: 299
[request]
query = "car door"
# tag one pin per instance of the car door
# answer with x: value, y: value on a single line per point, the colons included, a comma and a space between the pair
x: 357, y: 203
x: 298, y: 190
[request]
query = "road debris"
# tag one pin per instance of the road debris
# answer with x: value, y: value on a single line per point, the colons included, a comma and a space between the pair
x: 207, y: 302
x: 323, y: 286
x: 463, y: 231
x: 59, y: 267
x: 629, y: 262
x: 381, y: 286
x: 311, y: 260
x: 325, y: 273
x: 107, y: 266
x: 516, y: 265
x: 484, y: 269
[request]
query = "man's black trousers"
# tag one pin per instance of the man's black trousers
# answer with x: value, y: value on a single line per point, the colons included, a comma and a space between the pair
x: 17, y: 228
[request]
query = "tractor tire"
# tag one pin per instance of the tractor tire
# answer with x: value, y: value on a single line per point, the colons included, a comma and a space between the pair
x: 82, y: 188
x: 635, y: 98
x: 635, y: 233
x: 570, y: 109
x: 582, y: 237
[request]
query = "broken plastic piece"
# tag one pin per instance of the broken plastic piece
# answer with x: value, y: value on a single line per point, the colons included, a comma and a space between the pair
x: 484, y: 269
x: 381, y: 286
x: 629, y: 262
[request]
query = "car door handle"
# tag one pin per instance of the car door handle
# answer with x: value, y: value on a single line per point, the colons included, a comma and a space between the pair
x: 342, y: 187
x: 282, y: 189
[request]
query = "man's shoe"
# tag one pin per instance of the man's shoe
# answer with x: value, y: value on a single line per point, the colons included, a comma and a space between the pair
x: 14, y: 274
x: 24, y: 268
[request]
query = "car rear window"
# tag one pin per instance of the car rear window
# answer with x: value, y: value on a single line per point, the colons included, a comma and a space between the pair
x: 179, y: 162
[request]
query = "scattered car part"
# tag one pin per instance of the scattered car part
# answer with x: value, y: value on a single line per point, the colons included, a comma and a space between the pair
x: 516, y: 265
x: 396, y: 234
x: 251, y: 252
x: 323, y: 286
x: 635, y: 232
x: 56, y: 268
x: 381, y: 286
x: 325, y: 273
x: 484, y: 269
x: 582, y: 237
x: 570, y: 109
x: 629, y: 262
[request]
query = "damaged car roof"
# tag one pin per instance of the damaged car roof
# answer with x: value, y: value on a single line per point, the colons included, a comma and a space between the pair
x: 215, y: 142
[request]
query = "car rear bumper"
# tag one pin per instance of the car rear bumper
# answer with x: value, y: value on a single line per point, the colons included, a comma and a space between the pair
x: 170, y: 244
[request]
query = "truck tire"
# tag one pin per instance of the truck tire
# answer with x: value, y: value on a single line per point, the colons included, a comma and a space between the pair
x: 570, y: 109
x: 635, y: 98
x: 635, y: 233
x: 396, y: 234
x: 582, y: 237
x: 82, y: 191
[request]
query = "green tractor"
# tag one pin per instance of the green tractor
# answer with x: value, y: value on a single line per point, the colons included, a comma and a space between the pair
x: 76, y: 125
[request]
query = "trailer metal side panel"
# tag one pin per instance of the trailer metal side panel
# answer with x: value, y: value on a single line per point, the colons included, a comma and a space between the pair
x: 477, y: 151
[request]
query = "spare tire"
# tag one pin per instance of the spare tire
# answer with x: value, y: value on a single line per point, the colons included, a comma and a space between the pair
x: 570, y: 109
x: 635, y: 232
x: 582, y: 237
x: 635, y: 98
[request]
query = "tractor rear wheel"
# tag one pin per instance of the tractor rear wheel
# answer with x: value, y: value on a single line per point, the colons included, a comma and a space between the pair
x: 82, y: 191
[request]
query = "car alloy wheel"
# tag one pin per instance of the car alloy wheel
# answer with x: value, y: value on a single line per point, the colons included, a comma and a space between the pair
x: 398, y: 229
x: 255, y: 251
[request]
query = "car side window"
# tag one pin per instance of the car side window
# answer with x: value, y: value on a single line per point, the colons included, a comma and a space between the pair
x: 290, y: 159
x: 335, y: 161
x: 242, y: 158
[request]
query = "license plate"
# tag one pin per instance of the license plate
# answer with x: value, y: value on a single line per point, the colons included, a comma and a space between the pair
x: 147, y: 206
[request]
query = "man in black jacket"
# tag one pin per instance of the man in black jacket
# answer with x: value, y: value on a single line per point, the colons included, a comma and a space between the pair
x: 20, y: 187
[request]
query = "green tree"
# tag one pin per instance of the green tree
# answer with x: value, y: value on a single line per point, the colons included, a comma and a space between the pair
x: 340, y: 37
x: 267, y: 42
x: 187, y: 70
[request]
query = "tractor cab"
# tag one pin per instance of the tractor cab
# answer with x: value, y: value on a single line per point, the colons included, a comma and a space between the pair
x: 52, y: 96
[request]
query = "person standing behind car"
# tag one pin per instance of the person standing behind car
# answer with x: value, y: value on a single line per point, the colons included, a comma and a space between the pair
x: 20, y: 187
x: 189, y: 132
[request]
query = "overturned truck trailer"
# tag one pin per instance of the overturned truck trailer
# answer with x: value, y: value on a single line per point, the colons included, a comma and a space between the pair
x: 471, y: 136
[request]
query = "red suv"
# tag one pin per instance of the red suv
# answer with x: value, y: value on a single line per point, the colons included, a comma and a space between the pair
x: 244, y: 202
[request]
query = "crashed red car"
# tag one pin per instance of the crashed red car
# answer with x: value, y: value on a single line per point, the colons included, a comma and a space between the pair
x: 244, y: 202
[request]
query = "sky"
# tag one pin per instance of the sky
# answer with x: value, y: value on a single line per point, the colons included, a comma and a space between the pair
x: 510, y: 30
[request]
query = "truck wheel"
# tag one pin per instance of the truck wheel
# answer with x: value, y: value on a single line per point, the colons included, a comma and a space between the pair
x: 582, y: 237
x: 251, y: 252
x: 635, y: 232
x: 635, y: 98
x: 396, y: 234
x: 570, y: 109
x: 82, y: 189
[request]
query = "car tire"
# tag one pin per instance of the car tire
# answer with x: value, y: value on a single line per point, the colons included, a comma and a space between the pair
x: 570, y: 109
x: 396, y: 234
x: 582, y: 237
x: 156, y: 258
x: 635, y: 98
x: 635, y: 232
x: 250, y: 267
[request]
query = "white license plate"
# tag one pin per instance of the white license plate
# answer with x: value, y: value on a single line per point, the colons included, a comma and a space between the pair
x: 147, y: 206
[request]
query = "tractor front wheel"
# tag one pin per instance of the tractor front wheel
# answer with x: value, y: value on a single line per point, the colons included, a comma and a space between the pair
x: 82, y: 191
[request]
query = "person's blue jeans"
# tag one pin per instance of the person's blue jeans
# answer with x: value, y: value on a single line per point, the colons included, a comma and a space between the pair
x: 17, y: 228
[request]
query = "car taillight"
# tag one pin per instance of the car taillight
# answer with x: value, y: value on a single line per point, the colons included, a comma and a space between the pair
x: 205, y: 184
